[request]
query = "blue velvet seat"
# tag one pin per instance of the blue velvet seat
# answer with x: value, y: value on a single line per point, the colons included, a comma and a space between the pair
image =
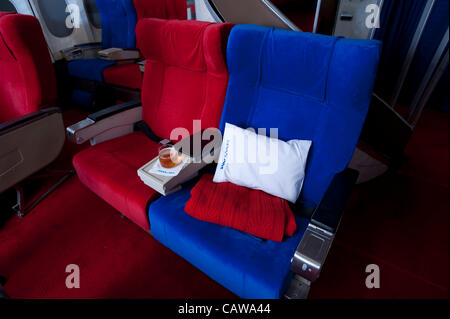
x: 119, y: 20
x: 89, y: 69
x: 308, y: 86
x: 239, y: 261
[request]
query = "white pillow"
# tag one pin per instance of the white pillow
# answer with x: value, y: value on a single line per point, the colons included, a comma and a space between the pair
x: 259, y: 162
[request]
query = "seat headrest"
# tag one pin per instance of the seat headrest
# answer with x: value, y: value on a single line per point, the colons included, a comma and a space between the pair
x: 317, y: 64
x: 20, y: 37
x: 5, y: 53
x: 193, y: 45
x: 24, y: 51
x: 313, y: 54
x: 119, y: 20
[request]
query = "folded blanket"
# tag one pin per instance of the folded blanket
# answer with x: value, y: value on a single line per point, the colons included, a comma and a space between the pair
x: 248, y: 210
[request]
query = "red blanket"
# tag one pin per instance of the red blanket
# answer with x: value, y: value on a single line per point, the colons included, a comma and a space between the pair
x: 248, y: 210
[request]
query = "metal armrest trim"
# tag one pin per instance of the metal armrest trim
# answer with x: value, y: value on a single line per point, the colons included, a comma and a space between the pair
x: 110, y: 123
x: 313, y: 249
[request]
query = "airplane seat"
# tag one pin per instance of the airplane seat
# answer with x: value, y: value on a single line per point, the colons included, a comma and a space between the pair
x: 185, y: 80
x: 119, y: 20
x: 310, y: 87
x: 28, y: 79
x: 31, y: 127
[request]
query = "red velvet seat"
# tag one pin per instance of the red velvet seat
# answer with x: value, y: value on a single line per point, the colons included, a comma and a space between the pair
x: 109, y: 170
x: 27, y: 81
x: 31, y: 127
x: 186, y: 79
x: 125, y: 75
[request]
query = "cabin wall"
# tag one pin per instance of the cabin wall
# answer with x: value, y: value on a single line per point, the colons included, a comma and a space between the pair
x: 56, y: 43
x: 202, y: 11
x: 21, y: 6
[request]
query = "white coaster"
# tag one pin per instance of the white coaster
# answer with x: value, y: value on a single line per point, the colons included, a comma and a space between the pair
x: 156, y: 168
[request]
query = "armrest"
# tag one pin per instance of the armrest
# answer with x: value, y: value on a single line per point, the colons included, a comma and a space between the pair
x: 120, y: 55
x: 106, y: 124
x: 27, y: 119
x: 312, y: 250
x: 82, y: 51
x: 331, y: 208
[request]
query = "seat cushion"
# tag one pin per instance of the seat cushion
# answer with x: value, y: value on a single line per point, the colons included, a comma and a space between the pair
x: 248, y: 266
x: 109, y: 169
x: 126, y: 75
x: 89, y: 69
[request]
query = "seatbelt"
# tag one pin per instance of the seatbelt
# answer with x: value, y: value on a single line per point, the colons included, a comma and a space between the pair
x: 141, y: 126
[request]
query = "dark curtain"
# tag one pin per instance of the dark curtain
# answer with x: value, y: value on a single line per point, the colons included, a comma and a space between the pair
x: 432, y: 36
x: 398, y: 22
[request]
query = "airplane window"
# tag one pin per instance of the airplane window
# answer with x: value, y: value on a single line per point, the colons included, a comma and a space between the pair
x: 54, y: 14
x: 93, y: 13
x: 6, y: 6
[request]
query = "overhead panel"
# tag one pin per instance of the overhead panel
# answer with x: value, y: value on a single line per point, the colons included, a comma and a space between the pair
x: 260, y: 12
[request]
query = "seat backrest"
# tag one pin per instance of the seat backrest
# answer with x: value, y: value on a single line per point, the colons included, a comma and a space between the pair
x: 119, y: 20
x: 309, y: 86
x: 185, y: 75
x: 162, y: 9
x: 27, y: 81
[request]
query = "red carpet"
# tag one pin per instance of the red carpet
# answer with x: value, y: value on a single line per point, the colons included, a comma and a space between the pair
x: 116, y: 258
x: 399, y: 222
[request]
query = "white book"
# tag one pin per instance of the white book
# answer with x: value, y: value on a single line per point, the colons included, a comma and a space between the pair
x: 166, y: 184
